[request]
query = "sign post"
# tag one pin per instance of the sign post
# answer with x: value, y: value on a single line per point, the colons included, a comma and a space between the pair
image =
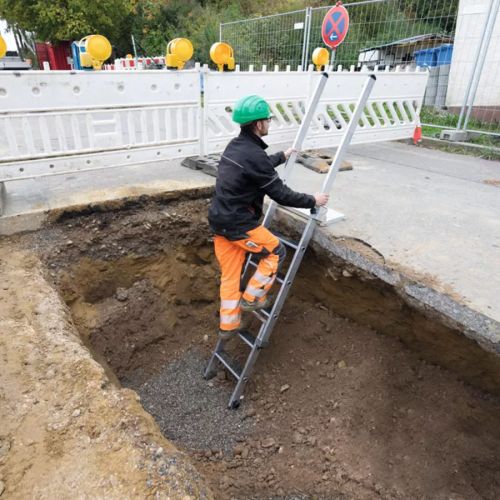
x: 334, y: 28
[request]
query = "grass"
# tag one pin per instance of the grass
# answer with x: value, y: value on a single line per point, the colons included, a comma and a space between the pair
x: 441, y: 118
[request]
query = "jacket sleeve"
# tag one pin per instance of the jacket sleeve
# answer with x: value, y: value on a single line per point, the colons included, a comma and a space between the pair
x: 277, y: 158
x: 268, y: 180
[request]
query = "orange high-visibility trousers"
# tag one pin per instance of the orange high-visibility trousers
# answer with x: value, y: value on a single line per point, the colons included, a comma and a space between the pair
x: 231, y: 256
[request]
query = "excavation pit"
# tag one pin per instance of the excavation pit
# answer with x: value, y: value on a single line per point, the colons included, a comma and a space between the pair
x: 334, y: 409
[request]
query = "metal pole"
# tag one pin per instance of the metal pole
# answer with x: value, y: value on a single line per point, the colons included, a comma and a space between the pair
x: 304, y: 36
x: 307, y: 38
x: 220, y: 32
x: 299, y: 139
x: 477, y: 57
x: 479, y: 68
x: 135, y: 51
x: 346, y: 139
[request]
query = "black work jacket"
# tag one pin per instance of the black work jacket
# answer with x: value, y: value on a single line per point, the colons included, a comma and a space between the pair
x: 246, y: 174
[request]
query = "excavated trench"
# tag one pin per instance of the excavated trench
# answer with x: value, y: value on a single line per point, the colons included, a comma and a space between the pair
x: 334, y: 408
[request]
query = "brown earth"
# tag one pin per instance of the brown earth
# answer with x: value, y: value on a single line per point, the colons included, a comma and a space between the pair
x: 334, y: 409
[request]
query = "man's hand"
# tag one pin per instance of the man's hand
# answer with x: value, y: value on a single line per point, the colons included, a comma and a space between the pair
x: 289, y: 152
x: 321, y: 199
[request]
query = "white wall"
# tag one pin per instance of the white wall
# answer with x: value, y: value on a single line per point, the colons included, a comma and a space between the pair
x: 470, y: 27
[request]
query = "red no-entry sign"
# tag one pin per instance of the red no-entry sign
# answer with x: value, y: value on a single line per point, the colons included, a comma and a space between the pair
x: 335, y: 26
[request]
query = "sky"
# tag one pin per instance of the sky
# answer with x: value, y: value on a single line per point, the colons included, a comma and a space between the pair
x: 8, y: 37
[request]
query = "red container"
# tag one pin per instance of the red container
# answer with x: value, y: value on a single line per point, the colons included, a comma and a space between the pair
x: 56, y: 55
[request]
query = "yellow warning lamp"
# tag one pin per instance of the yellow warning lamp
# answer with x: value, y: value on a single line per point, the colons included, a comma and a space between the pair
x: 129, y: 56
x: 94, y: 50
x: 320, y: 57
x: 179, y: 51
x: 3, y: 47
x: 222, y: 54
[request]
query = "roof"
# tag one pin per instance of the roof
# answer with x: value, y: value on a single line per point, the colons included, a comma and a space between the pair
x: 414, y: 39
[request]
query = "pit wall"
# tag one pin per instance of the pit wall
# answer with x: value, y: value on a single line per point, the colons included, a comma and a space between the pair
x: 354, y: 280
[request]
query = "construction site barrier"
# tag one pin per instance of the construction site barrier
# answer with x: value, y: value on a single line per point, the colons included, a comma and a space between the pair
x: 66, y: 121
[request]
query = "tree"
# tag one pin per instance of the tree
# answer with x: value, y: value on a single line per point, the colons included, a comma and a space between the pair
x: 68, y: 19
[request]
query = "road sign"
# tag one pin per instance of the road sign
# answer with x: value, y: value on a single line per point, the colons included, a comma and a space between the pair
x: 335, y: 26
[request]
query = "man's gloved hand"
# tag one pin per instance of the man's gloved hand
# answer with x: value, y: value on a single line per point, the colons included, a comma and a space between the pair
x: 321, y: 199
x: 288, y: 152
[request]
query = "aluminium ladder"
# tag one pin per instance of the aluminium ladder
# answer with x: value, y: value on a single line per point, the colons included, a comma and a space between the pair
x: 269, y: 317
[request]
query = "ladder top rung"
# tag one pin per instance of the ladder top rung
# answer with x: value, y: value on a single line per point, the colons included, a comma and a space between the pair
x: 229, y: 363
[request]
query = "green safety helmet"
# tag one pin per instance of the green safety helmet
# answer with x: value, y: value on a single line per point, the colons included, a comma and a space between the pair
x: 251, y: 108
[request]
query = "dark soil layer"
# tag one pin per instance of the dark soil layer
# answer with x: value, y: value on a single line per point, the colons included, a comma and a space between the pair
x: 333, y: 410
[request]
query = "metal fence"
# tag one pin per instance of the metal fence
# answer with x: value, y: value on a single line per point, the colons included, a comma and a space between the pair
x: 458, y: 40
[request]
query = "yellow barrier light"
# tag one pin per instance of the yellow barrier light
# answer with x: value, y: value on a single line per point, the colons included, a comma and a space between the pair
x: 320, y: 57
x: 222, y: 54
x: 96, y: 50
x: 3, y: 47
x: 179, y: 51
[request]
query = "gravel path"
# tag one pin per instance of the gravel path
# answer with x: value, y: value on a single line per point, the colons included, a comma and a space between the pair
x: 192, y: 412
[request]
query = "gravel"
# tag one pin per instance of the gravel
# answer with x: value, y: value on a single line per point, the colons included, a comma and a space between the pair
x: 191, y: 411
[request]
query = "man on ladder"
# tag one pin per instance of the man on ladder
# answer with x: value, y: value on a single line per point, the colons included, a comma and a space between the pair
x: 246, y: 173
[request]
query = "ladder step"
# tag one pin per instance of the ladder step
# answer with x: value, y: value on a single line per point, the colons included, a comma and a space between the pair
x: 247, y: 337
x: 229, y: 363
x: 286, y: 242
x: 289, y: 243
x: 261, y: 314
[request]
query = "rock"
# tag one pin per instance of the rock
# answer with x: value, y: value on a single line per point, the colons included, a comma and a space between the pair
x: 69, y: 242
x: 159, y: 452
x: 2, y: 487
x: 342, y: 364
x: 268, y: 443
x: 76, y: 413
x: 297, y: 437
x: 346, y: 273
x: 221, y: 375
x: 238, y: 449
x: 312, y: 440
x: 249, y: 413
x: 205, y: 338
x: 284, y: 388
x: 121, y: 294
x: 245, y: 452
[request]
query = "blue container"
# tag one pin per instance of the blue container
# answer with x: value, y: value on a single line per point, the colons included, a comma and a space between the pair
x: 444, y: 53
x: 425, y: 57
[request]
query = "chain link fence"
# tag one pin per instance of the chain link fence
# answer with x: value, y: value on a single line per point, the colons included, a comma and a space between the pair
x: 458, y: 40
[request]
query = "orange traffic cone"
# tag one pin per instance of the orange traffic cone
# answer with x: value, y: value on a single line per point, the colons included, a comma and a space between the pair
x: 417, y: 134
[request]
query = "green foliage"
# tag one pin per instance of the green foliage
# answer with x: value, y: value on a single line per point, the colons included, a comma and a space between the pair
x: 67, y: 19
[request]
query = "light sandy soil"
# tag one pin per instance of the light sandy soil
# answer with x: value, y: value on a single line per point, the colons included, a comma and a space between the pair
x: 66, y: 431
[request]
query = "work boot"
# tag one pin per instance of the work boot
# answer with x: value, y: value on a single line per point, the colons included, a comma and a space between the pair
x: 255, y: 305
x: 227, y: 334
